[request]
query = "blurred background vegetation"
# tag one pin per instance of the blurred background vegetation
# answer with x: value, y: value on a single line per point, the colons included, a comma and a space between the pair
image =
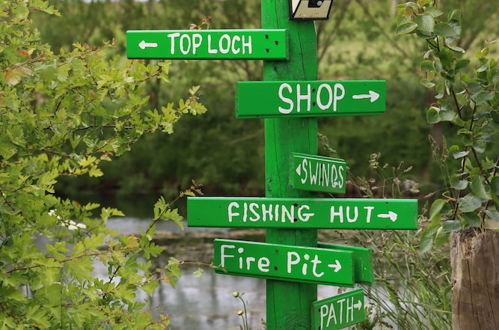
x: 226, y: 155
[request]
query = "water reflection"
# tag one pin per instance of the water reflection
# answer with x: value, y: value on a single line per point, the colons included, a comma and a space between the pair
x: 205, y: 302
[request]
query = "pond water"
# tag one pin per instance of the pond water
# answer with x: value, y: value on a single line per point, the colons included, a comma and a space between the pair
x: 205, y: 302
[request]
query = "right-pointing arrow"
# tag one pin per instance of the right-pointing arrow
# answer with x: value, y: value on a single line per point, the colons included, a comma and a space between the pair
x: 358, y: 305
x: 390, y: 215
x: 336, y: 266
x: 372, y: 95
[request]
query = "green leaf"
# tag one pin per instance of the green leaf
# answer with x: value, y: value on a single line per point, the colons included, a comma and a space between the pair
x: 472, y: 219
x: 458, y: 184
x: 494, y: 185
x: 173, y: 268
x: 198, y: 272
x: 460, y: 154
x: 478, y: 188
x: 427, y: 66
x: 433, y: 115
x: 427, y: 84
x: 149, y: 287
x: 462, y: 64
x: 426, y: 24
x: 492, y: 214
x: 445, y: 30
x: 406, y: 28
x: 450, y: 226
x: 434, y: 12
x: 469, y: 203
x: 482, y: 97
x: 428, y: 238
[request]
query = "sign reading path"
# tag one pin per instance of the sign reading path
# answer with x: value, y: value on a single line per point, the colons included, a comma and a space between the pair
x: 255, y: 99
x: 339, y: 312
x: 207, y: 44
x: 275, y: 261
x: 326, y: 213
x: 315, y: 173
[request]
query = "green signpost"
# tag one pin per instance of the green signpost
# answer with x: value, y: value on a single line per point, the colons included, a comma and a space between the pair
x: 327, y: 213
x: 315, y: 173
x: 208, y: 44
x: 276, y: 261
x: 339, y: 312
x: 289, y: 98
x: 362, y: 263
x: 255, y: 99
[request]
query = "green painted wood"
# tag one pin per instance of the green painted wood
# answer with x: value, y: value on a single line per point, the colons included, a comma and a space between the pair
x: 264, y: 99
x: 288, y: 262
x: 340, y: 311
x: 288, y: 304
x: 208, y: 44
x: 326, y: 213
x: 362, y: 261
x: 315, y: 173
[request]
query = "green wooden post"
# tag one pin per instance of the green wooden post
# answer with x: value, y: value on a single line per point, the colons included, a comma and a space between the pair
x: 288, y: 304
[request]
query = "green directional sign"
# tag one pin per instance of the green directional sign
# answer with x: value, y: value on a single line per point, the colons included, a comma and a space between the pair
x: 275, y: 261
x: 329, y: 213
x: 362, y: 264
x: 315, y: 173
x: 255, y: 99
x: 208, y: 44
x: 339, y: 312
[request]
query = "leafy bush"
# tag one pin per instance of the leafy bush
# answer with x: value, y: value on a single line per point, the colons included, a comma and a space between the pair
x: 62, y: 115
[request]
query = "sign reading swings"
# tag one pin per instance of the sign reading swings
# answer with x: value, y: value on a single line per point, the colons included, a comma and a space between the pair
x: 255, y: 99
x: 207, y: 44
x: 316, y: 173
x: 276, y: 261
x: 337, y: 213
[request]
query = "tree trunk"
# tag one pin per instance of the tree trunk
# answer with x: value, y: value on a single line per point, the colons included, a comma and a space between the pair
x: 475, y: 280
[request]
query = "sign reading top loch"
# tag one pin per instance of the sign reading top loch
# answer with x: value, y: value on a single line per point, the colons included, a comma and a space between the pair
x: 276, y: 261
x: 297, y: 213
x: 207, y: 44
x: 315, y: 173
x: 256, y: 99
x: 339, y: 312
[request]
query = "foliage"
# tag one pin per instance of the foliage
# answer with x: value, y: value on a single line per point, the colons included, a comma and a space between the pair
x: 466, y: 102
x: 343, y: 55
x: 411, y: 290
x: 63, y: 115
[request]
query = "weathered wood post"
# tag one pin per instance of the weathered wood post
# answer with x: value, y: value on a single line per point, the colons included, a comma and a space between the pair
x: 288, y: 303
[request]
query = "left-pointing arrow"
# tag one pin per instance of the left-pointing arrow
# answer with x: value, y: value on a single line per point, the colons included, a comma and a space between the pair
x: 298, y: 170
x: 144, y: 45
